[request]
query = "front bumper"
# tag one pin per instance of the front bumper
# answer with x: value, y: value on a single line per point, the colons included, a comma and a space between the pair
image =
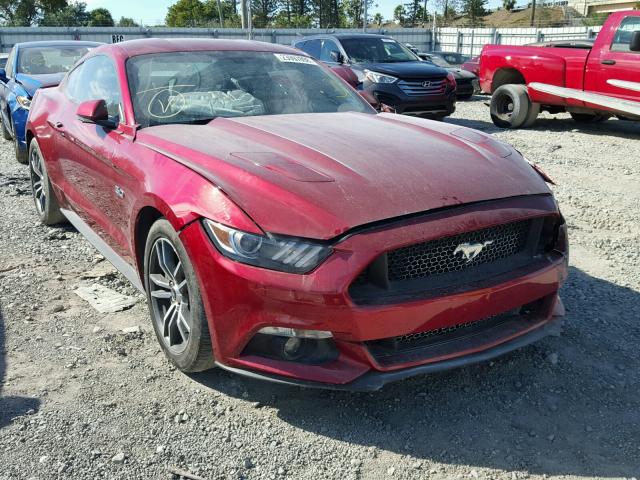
x: 19, y: 120
x: 240, y: 300
x: 392, y: 95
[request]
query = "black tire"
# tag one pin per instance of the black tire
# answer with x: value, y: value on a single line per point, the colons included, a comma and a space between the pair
x: 589, y: 117
x: 6, y: 133
x: 510, y: 105
x: 44, y: 197
x: 22, y: 156
x: 532, y: 115
x: 194, y: 353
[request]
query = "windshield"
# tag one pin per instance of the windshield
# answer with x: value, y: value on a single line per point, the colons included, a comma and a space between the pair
x: 195, y: 87
x: 377, y: 50
x: 43, y: 60
x: 440, y: 62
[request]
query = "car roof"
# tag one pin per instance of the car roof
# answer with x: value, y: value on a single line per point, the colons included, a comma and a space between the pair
x: 58, y: 43
x: 341, y: 36
x: 132, y: 48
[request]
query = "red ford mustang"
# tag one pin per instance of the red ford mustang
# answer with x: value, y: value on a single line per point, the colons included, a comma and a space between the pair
x: 283, y: 229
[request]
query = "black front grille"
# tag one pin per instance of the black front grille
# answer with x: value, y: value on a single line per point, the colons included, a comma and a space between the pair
x: 455, y: 263
x: 459, y: 252
x: 422, y: 88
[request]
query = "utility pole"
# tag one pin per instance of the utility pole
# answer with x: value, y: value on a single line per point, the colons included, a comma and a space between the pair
x: 533, y: 12
x: 243, y: 13
x: 220, y: 13
x: 364, y: 16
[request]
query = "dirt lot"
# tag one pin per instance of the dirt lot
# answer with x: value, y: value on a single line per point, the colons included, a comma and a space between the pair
x: 79, y: 398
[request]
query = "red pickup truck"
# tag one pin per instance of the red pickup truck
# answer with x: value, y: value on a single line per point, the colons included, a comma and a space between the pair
x: 592, y: 83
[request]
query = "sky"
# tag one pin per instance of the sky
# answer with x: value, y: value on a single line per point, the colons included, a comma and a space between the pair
x: 153, y: 12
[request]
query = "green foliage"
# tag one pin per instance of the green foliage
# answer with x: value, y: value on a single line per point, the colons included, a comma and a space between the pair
x: 100, y: 17
x: 474, y: 10
x: 378, y: 19
x: 127, y: 22
x: 508, y: 5
x: 187, y: 13
x: 72, y: 15
x: 596, y: 19
x: 400, y: 14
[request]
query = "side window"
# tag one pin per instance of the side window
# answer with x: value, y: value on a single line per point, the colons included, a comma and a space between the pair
x: 623, y: 35
x: 96, y: 79
x: 300, y: 46
x: 10, y: 61
x: 312, y: 47
x: 328, y: 46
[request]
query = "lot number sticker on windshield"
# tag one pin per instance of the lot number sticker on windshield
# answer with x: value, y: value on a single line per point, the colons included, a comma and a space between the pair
x: 283, y: 57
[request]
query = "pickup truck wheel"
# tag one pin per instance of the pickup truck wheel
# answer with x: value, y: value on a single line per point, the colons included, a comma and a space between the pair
x: 532, y: 115
x: 509, y: 106
x: 589, y: 117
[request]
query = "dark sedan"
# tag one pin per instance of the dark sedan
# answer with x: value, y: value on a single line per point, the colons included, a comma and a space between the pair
x: 467, y: 82
x: 389, y: 70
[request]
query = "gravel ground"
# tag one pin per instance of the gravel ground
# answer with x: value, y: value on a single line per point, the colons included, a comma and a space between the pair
x: 79, y: 398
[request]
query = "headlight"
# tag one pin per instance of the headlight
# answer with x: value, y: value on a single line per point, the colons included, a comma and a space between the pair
x: 24, y: 102
x: 275, y: 253
x: 376, y: 77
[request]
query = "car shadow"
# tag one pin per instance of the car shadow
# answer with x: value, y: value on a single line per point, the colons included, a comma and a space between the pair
x: 563, y: 406
x: 612, y: 127
x: 12, y: 406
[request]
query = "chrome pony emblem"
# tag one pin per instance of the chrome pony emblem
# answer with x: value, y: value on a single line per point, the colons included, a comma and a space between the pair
x: 426, y: 84
x: 471, y: 250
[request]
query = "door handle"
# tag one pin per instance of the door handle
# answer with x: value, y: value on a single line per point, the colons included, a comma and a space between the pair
x: 608, y: 62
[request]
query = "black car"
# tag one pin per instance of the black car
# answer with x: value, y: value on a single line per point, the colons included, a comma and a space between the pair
x: 390, y: 71
x: 467, y: 82
x: 452, y: 58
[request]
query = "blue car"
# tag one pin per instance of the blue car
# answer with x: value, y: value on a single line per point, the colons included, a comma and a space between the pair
x: 32, y: 65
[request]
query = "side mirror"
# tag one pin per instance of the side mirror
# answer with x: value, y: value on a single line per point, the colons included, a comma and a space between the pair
x: 3, y: 75
x: 336, y: 56
x: 95, y: 111
x: 634, y: 43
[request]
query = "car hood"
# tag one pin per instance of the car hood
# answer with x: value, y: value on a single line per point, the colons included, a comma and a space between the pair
x: 319, y: 175
x: 458, y: 73
x: 417, y: 69
x: 33, y: 82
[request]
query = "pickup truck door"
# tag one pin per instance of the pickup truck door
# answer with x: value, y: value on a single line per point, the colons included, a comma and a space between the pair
x: 610, y: 61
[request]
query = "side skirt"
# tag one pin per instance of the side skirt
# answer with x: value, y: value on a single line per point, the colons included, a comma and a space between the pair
x: 109, y: 253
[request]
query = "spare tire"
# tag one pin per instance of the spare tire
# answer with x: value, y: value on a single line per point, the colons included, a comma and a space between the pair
x: 510, y: 106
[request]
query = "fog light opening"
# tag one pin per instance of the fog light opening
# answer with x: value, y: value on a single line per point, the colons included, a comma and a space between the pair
x: 311, y: 347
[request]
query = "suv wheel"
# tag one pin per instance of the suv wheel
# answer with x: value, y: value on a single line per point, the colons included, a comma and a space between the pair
x: 175, y: 302
x: 43, y: 196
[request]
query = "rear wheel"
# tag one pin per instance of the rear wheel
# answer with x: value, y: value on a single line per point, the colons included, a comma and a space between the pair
x: 510, y: 106
x: 532, y: 115
x: 45, y: 200
x: 589, y: 117
x: 175, y: 302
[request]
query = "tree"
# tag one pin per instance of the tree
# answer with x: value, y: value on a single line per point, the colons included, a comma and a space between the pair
x: 415, y: 13
x: 377, y: 19
x: 187, y: 13
x: 127, y: 22
x: 100, y: 17
x: 263, y: 12
x: 72, y: 15
x: 508, y: 5
x: 400, y: 14
x: 474, y: 10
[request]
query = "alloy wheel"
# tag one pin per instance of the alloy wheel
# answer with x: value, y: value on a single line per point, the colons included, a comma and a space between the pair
x: 37, y: 181
x: 169, y: 294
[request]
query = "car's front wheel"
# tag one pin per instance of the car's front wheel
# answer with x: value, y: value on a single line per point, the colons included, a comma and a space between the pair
x: 175, y: 301
x: 43, y: 196
x: 21, y: 155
